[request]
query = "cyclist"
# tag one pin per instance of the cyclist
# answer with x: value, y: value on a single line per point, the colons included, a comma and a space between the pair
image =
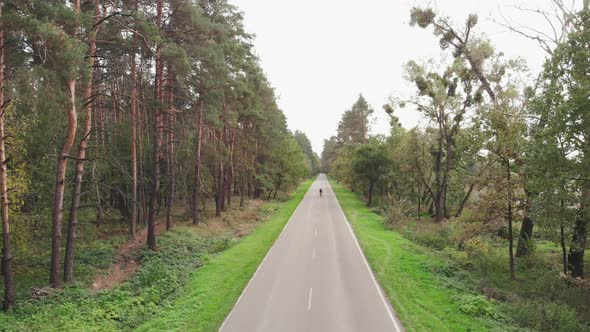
x: 321, y: 192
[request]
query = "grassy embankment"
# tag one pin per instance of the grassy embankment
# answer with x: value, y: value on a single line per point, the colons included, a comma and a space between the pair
x: 436, y: 286
x: 190, y: 283
x: 413, y: 277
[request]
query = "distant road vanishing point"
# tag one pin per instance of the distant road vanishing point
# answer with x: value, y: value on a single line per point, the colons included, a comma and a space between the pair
x: 314, y: 278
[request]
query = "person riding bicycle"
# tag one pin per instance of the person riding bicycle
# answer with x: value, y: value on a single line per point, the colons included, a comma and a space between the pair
x: 321, y: 192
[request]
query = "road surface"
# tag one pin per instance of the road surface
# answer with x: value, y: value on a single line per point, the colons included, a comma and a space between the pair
x: 314, y: 278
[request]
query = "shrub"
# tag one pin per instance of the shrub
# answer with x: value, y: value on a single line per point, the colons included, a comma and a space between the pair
x: 546, y: 316
x: 393, y: 215
x: 477, y: 247
x: 478, y: 305
x: 460, y: 257
x: 269, y: 208
x: 437, y: 241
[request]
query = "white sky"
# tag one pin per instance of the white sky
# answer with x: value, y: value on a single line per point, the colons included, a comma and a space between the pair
x: 320, y: 54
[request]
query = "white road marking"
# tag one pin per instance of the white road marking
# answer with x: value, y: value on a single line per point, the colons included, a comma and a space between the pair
x: 387, y: 305
x: 309, y: 300
x: 315, y: 233
x: 313, y: 256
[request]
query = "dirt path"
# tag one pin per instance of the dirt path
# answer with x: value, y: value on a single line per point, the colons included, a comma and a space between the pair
x: 127, y: 260
x: 239, y: 221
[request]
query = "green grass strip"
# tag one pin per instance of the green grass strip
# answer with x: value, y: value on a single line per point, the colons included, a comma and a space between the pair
x: 402, y: 268
x: 215, y: 287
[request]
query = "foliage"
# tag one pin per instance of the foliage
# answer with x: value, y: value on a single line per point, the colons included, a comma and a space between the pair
x: 193, y: 80
x: 478, y: 305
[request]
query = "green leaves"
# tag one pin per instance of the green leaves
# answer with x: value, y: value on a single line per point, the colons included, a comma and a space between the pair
x: 422, y: 17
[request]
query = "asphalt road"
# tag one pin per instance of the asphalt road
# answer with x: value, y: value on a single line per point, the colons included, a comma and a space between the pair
x: 314, y: 278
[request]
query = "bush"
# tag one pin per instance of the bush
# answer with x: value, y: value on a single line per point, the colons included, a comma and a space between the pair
x: 478, y: 305
x: 438, y: 241
x: 393, y: 215
x: 460, y: 257
x: 268, y: 209
x: 546, y: 316
x: 477, y: 247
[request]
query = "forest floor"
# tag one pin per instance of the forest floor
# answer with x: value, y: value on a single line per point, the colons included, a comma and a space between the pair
x: 433, y: 286
x: 121, y: 285
x: 128, y: 255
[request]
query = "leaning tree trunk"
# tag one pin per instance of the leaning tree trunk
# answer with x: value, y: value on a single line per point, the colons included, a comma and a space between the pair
x: 464, y: 201
x: 6, y: 250
x: 79, y: 172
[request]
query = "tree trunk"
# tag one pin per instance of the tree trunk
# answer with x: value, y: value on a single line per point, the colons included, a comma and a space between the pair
x: 219, y: 191
x: 157, y: 117
x: 580, y: 235
x: 79, y: 171
x: 197, y: 184
x: 371, y: 185
x: 577, y: 247
x: 464, y: 201
x: 134, y: 200
x: 58, y: 197
x: 143, y: 209
x: 171, y: 160
x: 523, y: 246
x: 419, y: 201
x: 563, y: 249
x: 438, y: 208
x: 510, y: 237
x: 6, y: 250
x: 62, y: 163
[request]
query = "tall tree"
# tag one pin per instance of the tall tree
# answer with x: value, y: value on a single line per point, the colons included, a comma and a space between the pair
x: 9, y: 289
x: 70, y: 75
x: 157, y: 128
x: 81, y: 156
x: 561, y: 155
x: 444, y: 99
x: 354, y: 125
x: 133, y: 218
x: 371, y: 163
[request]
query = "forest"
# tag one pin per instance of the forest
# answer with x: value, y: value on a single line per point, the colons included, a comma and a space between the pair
x: 497, y: 178
x: 120, y: 116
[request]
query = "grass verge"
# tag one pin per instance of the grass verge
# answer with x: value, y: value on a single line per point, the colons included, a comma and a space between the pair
x: 422, y: 286
x: 214, y: 288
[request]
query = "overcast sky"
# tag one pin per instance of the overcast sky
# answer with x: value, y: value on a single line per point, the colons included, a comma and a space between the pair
x: 320, y: 54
